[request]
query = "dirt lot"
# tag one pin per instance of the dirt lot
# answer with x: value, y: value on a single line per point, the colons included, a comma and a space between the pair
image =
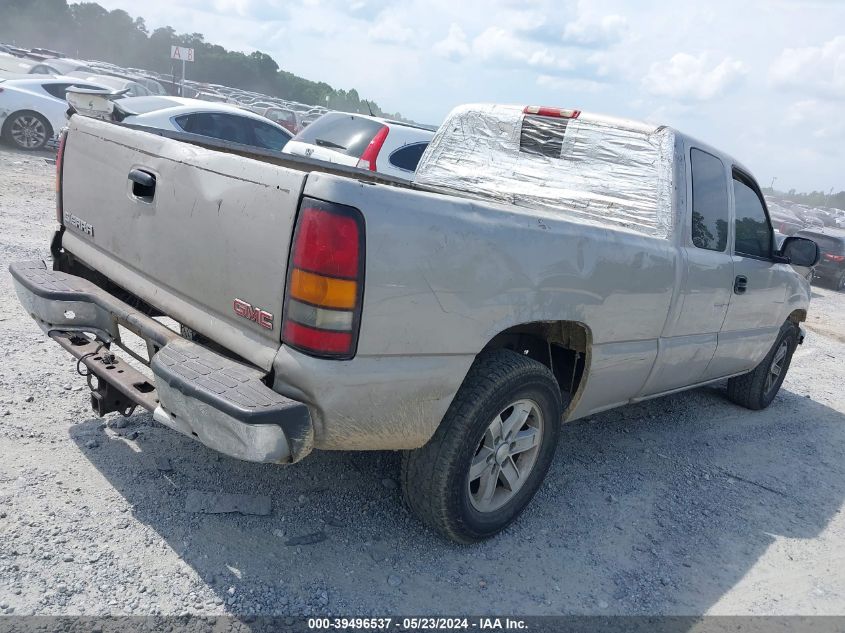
x: 684, y: 505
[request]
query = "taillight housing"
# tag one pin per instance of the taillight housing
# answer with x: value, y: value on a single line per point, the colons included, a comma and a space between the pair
x: 834, y: 258
x: 325, y: 283
x: 60, y: 160
x: 370, y: 156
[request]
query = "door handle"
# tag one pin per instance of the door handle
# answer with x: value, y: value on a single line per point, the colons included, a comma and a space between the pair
x: 143, y: 184
x: 740, y: 284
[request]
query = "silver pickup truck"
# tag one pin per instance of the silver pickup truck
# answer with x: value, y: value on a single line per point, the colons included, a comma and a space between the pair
x: 543, y: 265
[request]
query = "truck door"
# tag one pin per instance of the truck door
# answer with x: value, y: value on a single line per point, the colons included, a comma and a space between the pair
x: 690, y: 337
x: 757, y: 305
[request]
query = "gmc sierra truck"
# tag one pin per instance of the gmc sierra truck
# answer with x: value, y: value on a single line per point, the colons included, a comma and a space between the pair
x: 543, y: 265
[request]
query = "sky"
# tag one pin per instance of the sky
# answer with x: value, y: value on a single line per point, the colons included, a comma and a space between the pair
x: 763, y: 80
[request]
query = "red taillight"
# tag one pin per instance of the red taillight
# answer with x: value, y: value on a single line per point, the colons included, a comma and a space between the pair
x: 370, y: 155
x: 326, y: 243
x: 557, y: 113
x: 834, y: 258
x: 325, y: 281
x: 60, y: 159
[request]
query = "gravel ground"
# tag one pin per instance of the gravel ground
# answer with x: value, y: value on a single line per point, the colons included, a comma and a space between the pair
x: 683, y: 505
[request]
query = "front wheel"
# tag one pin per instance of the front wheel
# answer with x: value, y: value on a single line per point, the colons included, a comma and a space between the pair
x: 757, y: 389
x: 490, y: 453
x: 27, y: 130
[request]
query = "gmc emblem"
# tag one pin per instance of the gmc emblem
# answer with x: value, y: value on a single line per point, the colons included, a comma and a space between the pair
x: 245, y: 310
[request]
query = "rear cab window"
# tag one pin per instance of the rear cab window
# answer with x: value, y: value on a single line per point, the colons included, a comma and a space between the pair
x: 342, y: 133
x: 752, y: 229
x: 709, y: 201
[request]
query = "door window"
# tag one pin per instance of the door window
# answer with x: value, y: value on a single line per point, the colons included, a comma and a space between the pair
x: 751, y: 226
x: 268, y: 136
x: 216, y: 125
x: 709, y: 201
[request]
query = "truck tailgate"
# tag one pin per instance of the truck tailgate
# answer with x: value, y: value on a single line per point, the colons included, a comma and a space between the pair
x: 215, y: 228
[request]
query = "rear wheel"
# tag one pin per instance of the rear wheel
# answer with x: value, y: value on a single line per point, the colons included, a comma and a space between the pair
x: 490, y: 453
x: 839, y: 282
x: 27, y: 130
x: 757, y: 389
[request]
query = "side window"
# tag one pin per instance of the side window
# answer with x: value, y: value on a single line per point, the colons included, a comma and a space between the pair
x: 268, y: 136
x: 408, y: 157
x: 234, y: 128
x: 56, y: 90
x: 752, y: 228
x: 709, y: 201
x: 184, y: 122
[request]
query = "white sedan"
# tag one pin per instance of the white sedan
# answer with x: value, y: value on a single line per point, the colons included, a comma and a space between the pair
x: 204, y: 118
x: 32, y: 111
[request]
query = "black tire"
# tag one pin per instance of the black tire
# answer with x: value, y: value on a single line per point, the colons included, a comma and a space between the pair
x: 34, y: 120
x: 750, y: 390
x: 435, y: 478
x: 839, y: 282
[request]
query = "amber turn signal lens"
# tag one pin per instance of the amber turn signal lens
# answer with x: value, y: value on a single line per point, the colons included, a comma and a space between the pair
x: 327, y: 292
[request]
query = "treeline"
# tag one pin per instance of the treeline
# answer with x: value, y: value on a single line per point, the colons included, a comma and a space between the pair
x: 812, y: 199
x: 88, y: 31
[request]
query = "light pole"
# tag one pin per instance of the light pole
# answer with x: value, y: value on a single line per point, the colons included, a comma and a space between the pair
x: 772, y: 186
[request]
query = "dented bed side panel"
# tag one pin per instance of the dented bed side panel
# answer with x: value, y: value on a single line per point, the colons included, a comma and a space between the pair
x: 444, y: 275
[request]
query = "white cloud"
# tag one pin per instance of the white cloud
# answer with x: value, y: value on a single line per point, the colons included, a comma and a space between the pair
x: 454, y: 46
x: 495, y: 44
x: 389, y: 30
x: 594, y: 32
x: 688, y: 77
x: 573, y: 85
x: 820, y: 119
x: 819, y: 70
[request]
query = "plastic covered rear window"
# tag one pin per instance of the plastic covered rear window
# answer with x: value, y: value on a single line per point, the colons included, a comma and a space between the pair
x: 593, y: 169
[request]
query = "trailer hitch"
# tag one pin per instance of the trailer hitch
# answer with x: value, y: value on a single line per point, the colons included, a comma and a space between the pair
x: 105, y: 399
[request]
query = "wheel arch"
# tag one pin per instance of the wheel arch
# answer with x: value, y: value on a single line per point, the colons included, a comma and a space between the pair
x: 562, y: 346
x: 797, y: 316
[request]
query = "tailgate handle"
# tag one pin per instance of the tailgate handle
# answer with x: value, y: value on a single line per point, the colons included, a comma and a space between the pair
x: 143, y: 184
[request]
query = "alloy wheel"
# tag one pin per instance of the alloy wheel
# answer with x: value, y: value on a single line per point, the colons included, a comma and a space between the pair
x: 28, y: 131
x: 505, y: 456
x: 776, y: 367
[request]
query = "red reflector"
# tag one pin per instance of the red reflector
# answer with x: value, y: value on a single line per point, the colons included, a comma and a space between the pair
x: 370, y: 155
x: 327, y: 243
x: 834, y: 258
x: 556, y: 113
x: 319, y: 340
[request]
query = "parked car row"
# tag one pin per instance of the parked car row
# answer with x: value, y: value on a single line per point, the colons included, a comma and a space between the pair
x: 34, y: 113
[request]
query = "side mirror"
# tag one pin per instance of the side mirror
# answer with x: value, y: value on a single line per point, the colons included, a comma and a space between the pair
x: 800, y: 251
